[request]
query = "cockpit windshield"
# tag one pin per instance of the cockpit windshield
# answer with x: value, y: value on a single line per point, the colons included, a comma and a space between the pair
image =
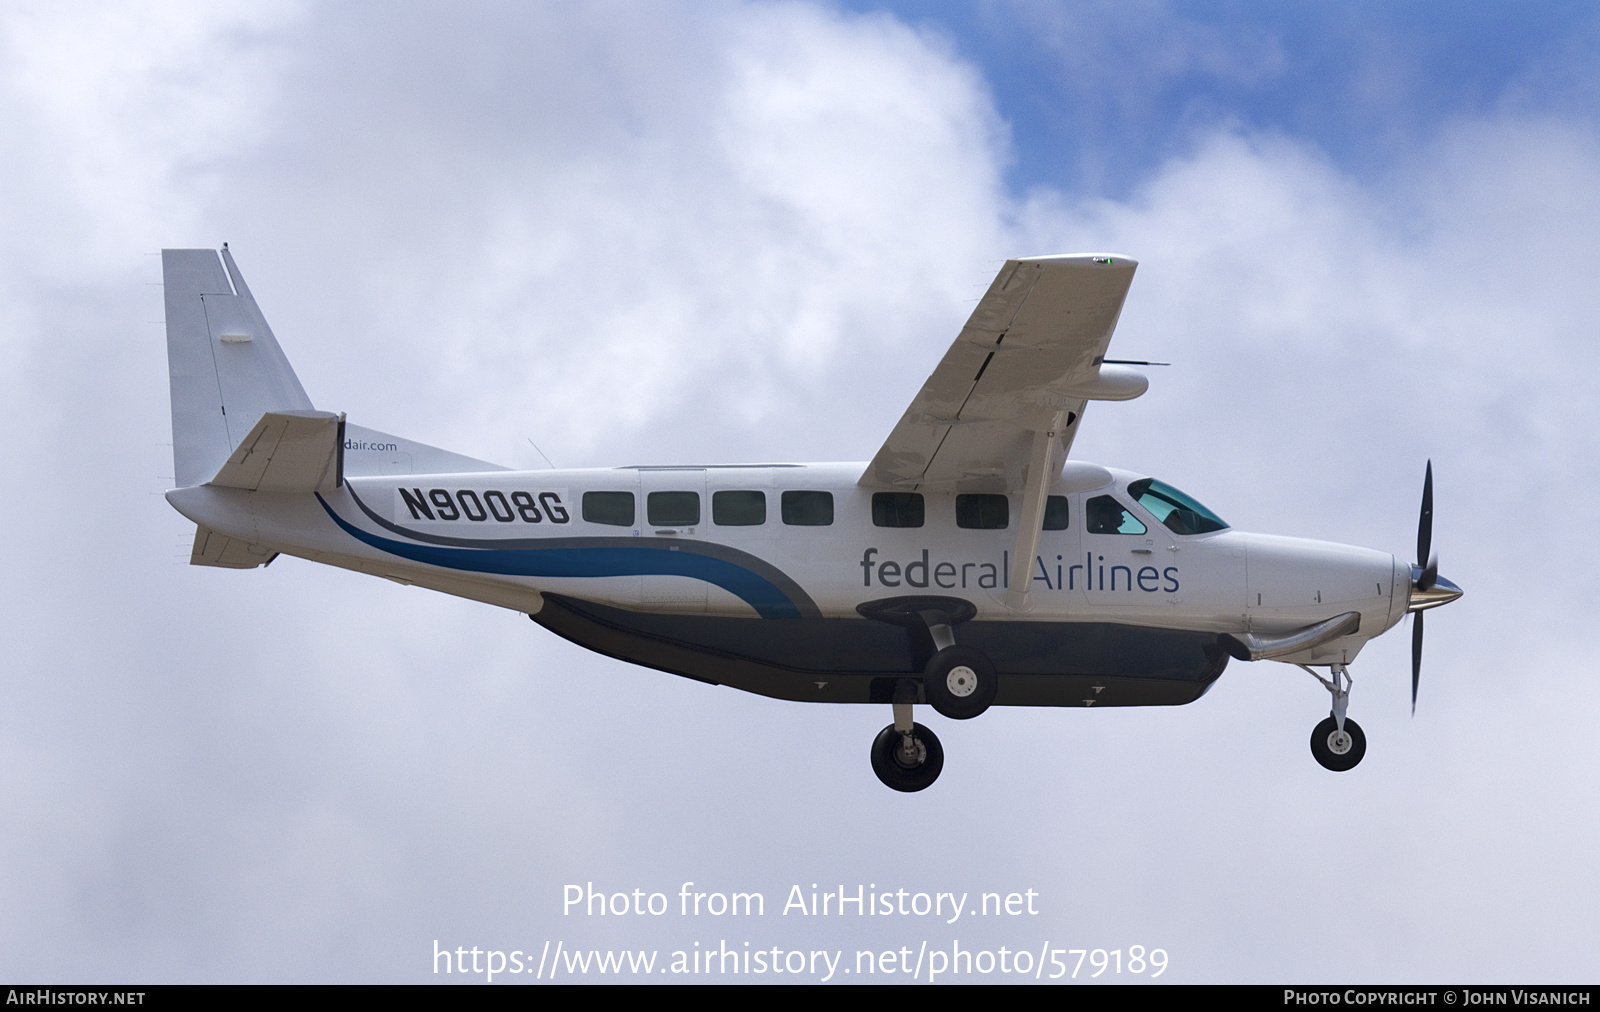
x: 1179, y: 512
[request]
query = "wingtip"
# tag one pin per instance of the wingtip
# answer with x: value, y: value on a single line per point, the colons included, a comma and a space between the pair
x: 1083, y: 260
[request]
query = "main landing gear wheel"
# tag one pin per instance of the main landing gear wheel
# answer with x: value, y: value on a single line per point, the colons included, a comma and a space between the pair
x: 960, y: 682
x: 907, y: 762
x: 1335, y: 750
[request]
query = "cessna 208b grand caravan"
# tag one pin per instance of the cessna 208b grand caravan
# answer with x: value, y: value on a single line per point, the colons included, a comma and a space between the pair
x: 969, y: 564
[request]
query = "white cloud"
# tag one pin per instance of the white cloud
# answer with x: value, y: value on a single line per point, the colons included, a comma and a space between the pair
x: 114, y: 114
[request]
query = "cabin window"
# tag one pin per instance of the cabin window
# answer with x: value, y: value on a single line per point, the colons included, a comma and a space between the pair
x: 1180, y: 513
x: 1104, y: 515
x: 673, y: 509
x: 808, y: 509
x: 738, y: 509
x: 897, y: 509
x: 614, y: 508
x: 1055, y: 513
x: 983, y: 512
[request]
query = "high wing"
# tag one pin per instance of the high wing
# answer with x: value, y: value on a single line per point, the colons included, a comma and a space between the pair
x: 1027, y: 361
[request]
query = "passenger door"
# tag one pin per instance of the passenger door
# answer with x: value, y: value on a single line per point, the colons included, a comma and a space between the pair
x: 673, y: 506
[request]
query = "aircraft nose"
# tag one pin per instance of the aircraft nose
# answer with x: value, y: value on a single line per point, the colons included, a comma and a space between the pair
x: 1441, y: 591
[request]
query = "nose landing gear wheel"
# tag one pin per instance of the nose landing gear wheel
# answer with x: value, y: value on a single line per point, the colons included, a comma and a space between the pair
x: 1336, y: 751
x: 907, y: 762
x: 960, y: 682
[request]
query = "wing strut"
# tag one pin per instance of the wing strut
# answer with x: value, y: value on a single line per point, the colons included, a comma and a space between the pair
x: 1034, y: 497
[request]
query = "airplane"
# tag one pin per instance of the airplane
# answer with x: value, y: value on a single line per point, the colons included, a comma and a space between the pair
x: 971, y: 563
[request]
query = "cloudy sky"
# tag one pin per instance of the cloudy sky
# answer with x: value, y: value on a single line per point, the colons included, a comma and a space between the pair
x: 746, y: 231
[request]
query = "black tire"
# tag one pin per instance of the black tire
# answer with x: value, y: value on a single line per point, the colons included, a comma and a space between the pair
x: 960, y: 682
x: 890, y: 766
x: 1324, y: 743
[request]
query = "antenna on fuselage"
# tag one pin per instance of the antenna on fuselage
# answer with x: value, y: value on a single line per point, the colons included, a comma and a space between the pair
x: 547, y: 460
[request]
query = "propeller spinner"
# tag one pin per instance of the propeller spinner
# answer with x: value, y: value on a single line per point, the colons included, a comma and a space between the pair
x: 1428, y: 588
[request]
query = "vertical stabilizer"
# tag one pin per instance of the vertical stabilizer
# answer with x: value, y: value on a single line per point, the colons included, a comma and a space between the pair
x: 226, y: 367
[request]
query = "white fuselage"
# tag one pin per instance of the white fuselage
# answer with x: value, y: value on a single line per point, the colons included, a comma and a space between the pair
x: 470, y: 534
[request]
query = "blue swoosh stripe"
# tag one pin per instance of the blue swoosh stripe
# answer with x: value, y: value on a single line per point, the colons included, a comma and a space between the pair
x: 754, y: 590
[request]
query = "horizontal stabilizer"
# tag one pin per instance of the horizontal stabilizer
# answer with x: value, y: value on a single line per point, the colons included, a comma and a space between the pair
x: 213, y: 549
x: 288, y: 451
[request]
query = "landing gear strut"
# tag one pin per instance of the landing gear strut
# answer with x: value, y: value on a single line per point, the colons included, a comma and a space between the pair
x: 1337, y: 742
x: 906, y: 756
x: 958, y: 682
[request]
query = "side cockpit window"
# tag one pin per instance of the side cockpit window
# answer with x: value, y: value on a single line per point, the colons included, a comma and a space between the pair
x: 1104, y: 515
x: 1180, y: 513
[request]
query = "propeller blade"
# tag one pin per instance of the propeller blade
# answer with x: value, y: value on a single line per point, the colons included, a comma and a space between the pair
x: 1425, y: 523
x: 1430, y: 574
x: 1416, y: 658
